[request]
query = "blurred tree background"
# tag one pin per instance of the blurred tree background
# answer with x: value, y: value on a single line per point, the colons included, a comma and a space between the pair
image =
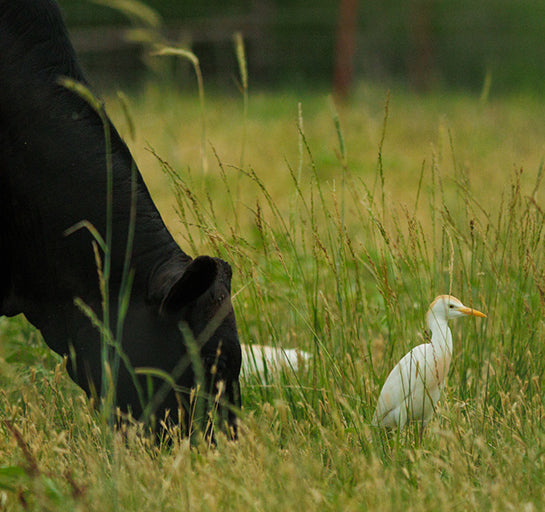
x: 421, y: 43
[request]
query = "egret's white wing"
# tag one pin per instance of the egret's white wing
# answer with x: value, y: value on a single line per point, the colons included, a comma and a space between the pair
x: 412, y: 388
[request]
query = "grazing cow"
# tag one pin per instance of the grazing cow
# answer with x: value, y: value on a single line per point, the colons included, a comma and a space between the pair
x: 53, y: 176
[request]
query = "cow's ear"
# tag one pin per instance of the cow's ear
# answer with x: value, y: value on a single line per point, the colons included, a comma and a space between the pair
x: 196, y: 279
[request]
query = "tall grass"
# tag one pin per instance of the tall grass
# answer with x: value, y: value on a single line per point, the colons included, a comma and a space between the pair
x: 331, y: 262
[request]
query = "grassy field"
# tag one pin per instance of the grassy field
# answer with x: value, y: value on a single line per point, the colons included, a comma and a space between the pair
x: 341, y: 225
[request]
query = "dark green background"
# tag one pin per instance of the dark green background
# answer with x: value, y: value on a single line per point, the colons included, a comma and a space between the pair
x: 467, y: 40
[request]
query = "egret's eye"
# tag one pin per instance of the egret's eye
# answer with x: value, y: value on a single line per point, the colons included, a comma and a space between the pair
x: 451, y: 306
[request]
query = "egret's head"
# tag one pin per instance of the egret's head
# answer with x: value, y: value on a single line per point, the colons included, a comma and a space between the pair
x: 448, y: 307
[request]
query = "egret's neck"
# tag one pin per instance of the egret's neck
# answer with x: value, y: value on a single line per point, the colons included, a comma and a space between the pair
x: 441, y: 337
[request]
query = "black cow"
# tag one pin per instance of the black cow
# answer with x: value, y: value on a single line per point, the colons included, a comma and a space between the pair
x: 52, y: 176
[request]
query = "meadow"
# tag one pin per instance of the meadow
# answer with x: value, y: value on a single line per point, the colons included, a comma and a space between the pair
x: 342, y: 223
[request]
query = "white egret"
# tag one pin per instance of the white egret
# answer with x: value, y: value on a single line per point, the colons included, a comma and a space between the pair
x: 262, y: 359
x: 414, y: 386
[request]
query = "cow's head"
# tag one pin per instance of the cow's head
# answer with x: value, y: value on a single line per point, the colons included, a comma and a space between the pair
x: 187, y: 328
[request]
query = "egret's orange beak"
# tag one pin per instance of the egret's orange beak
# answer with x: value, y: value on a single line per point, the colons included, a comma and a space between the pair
x: 471, y: 312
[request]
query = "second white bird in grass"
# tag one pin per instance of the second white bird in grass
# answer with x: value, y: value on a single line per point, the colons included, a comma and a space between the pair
x: 263, y: 359
x: 414, y: 386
